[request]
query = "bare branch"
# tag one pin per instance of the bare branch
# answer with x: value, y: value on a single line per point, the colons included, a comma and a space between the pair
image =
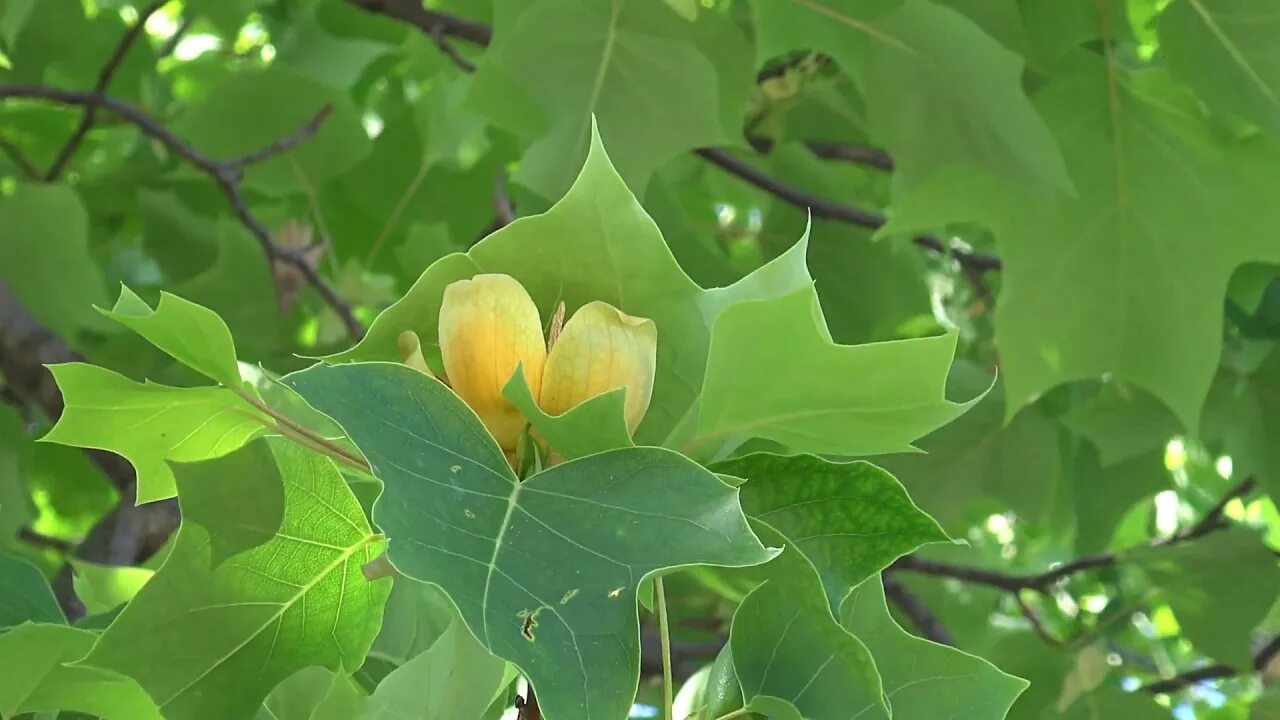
x: 1211, y: 522
x: 226, y: 173
x: 430, y: 21
x: 913, y: 607
x: 284, y: 144
x: 19, y: 158
x: 830, y: 210
x: 1214, y: 672
x: 848, y: 152
x: 105, y: 76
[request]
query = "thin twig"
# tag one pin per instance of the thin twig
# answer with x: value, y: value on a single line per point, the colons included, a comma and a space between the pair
x: 19, y: 158
x: 914, y: 608
x: 226, y: 174
x: 446, y: 47
x: 1212, y: 521
x: 1214, y: 672
x: 848, y: 152
x: 436, y: 24
x: 821, y: 207
x: 284, y: 144
x: 1034, y: 619
x: 664, y: 636
x: 171, y: 43
x: 105, y: 76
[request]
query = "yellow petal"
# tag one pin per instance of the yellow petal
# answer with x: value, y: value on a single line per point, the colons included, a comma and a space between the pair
x: 488, y: 327
x: 600, y: 349
x: 411, y: 352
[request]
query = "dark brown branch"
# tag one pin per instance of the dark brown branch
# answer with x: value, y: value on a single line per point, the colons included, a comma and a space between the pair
x: 831, y: 210
x: 19, y: 158
x: 1211, y: 522
x: 1214, y: 672
x: 284, y: 144
x: 914, y: 608
x: 226, y: 173
x: 438, y: 25
x: 429, y: 21
x: 848, y: 152
x: 105, y: 76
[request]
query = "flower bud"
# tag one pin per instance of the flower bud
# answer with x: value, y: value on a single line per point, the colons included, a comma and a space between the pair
x: 489, y: 326
x: 411, y: 352
x: 600, y: 349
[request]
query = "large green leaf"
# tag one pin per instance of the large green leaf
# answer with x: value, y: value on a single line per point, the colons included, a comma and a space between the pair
x: 36, y: 676
x: 851, y: 520
x: 544, y: 571
x: 1122, y: 422
x: 1244, y: 412
x: 300, y: 599
x: 1191, y: 577
x: 894, y: 392
x: 966, y: 106
x: 1226, y: 51
x: 60, y: 282
x: 455, y: 678
x: 1090, y: 282
x: 597, y: 244
x: 314, y: 693
x: 923, y: 679
x: 657, y: 84
x: 980, y: 456
x: 592, y: 426
x: 27, y: 595
x: 787, y: 646
x: 150, y: 423
x: 191, y: 333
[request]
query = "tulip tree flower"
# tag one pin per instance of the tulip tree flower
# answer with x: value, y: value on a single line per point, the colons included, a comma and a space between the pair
x: 489, y: 326
x: 601, y: 348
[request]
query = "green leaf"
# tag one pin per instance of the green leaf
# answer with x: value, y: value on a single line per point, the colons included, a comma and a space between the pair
x: 1112, y: 703
x: 1192, y: 575
x: 455, y: 678
x: 61, y: 282
x: 924, y: 679
x: 657, y: 84
x: 545, y: 571
x: 298, y: 600
x: 1244, y: 411
x: 829, y: 406
x: 966, y: 106
x: 73, y: 494
x: 593, y: 426
x: 240, y: 287
x: 150, y: 423
x: 1104, y: 495
x: 192, y: 334
x: 15, y: 501
x: 1136, y: 232
x: 103, y: 588
x: 597, y: 244
x: 314, y: 693
x: 1226, y: 51
x: 1122, y: 422
x: 980, y: 456
x: 36, y: 676
x: 215, y: 493
x: 851, y: 520
x: 27, y: 595
x: 244, y: 115
x: 788, y: 647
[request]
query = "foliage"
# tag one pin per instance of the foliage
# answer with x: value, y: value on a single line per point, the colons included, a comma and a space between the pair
x: 963, y: 398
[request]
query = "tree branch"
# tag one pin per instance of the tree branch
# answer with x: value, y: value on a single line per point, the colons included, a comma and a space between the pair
x: 914, y: 608
x: 1211, y: 522
x: 19, y: 158
x: 105, y: 76
x: 227, y: 174
x: 1214, y: 672
x: 439, y: 25
x: 831, y: 210
x: 849, y: 152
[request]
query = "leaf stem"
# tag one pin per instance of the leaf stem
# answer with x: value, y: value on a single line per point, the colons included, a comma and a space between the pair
x: 300, y: 433
x: 664, y: 634
x: 740, y: 712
